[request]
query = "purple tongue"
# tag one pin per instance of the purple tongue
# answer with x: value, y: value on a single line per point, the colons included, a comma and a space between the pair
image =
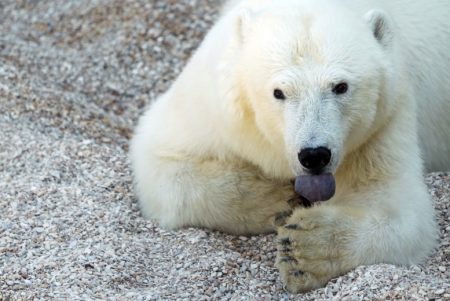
x: 316, y: 188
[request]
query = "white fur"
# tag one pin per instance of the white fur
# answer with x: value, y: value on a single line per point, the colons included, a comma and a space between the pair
x: 217, y: 150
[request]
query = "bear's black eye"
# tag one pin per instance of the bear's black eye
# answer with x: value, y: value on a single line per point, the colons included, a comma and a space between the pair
x: 278, y: 94
x: 340, y: 88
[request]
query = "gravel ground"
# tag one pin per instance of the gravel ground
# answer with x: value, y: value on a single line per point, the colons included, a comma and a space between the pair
x: 74, y: 77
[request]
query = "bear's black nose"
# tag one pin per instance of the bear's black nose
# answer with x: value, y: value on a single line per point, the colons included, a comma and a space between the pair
x: 315, y: 159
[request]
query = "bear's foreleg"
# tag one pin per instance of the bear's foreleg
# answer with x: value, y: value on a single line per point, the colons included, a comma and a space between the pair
x: 226, y: 196
x: 328, y: 240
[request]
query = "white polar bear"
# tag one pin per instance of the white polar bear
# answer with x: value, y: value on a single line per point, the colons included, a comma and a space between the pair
x: 359, y: 85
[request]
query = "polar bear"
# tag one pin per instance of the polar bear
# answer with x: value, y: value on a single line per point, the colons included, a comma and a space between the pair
x: 359, y: 89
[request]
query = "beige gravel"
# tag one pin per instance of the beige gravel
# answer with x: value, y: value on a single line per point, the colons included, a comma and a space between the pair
x: 74, y: 77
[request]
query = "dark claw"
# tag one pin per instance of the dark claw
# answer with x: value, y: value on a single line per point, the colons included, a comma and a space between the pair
x: 286, y: 250
x: 280, y: 218
x: 292, y: 227
x: 284, y: 241
x: 288, y: 259
x: 295, y: 202
x: 298, y: 273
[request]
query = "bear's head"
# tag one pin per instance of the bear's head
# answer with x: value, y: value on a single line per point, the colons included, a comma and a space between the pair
x: 317, y: 78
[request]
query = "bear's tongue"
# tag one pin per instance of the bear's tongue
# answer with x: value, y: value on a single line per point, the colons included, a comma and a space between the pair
x: 316, y: 188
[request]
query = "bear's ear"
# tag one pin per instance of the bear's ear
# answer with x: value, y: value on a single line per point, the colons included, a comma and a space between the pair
x: 242, y: 24
x: 381, y: 26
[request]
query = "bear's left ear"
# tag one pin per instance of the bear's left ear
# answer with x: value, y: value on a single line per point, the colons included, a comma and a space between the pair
x: 381, y: 26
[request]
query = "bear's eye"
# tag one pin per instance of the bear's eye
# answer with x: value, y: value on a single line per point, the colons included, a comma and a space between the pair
x: 278, y: 94
x: 340, y: 88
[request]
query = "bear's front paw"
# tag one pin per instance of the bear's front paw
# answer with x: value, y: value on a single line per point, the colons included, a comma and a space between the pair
x: 294, y: 202
x: 311, y: 248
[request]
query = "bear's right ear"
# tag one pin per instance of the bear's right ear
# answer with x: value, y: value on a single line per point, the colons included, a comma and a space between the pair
x: 242, y: 24
x: 381, y: 26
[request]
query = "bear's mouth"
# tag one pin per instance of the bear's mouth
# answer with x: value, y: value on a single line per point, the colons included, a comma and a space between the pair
x: 316, y: 188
